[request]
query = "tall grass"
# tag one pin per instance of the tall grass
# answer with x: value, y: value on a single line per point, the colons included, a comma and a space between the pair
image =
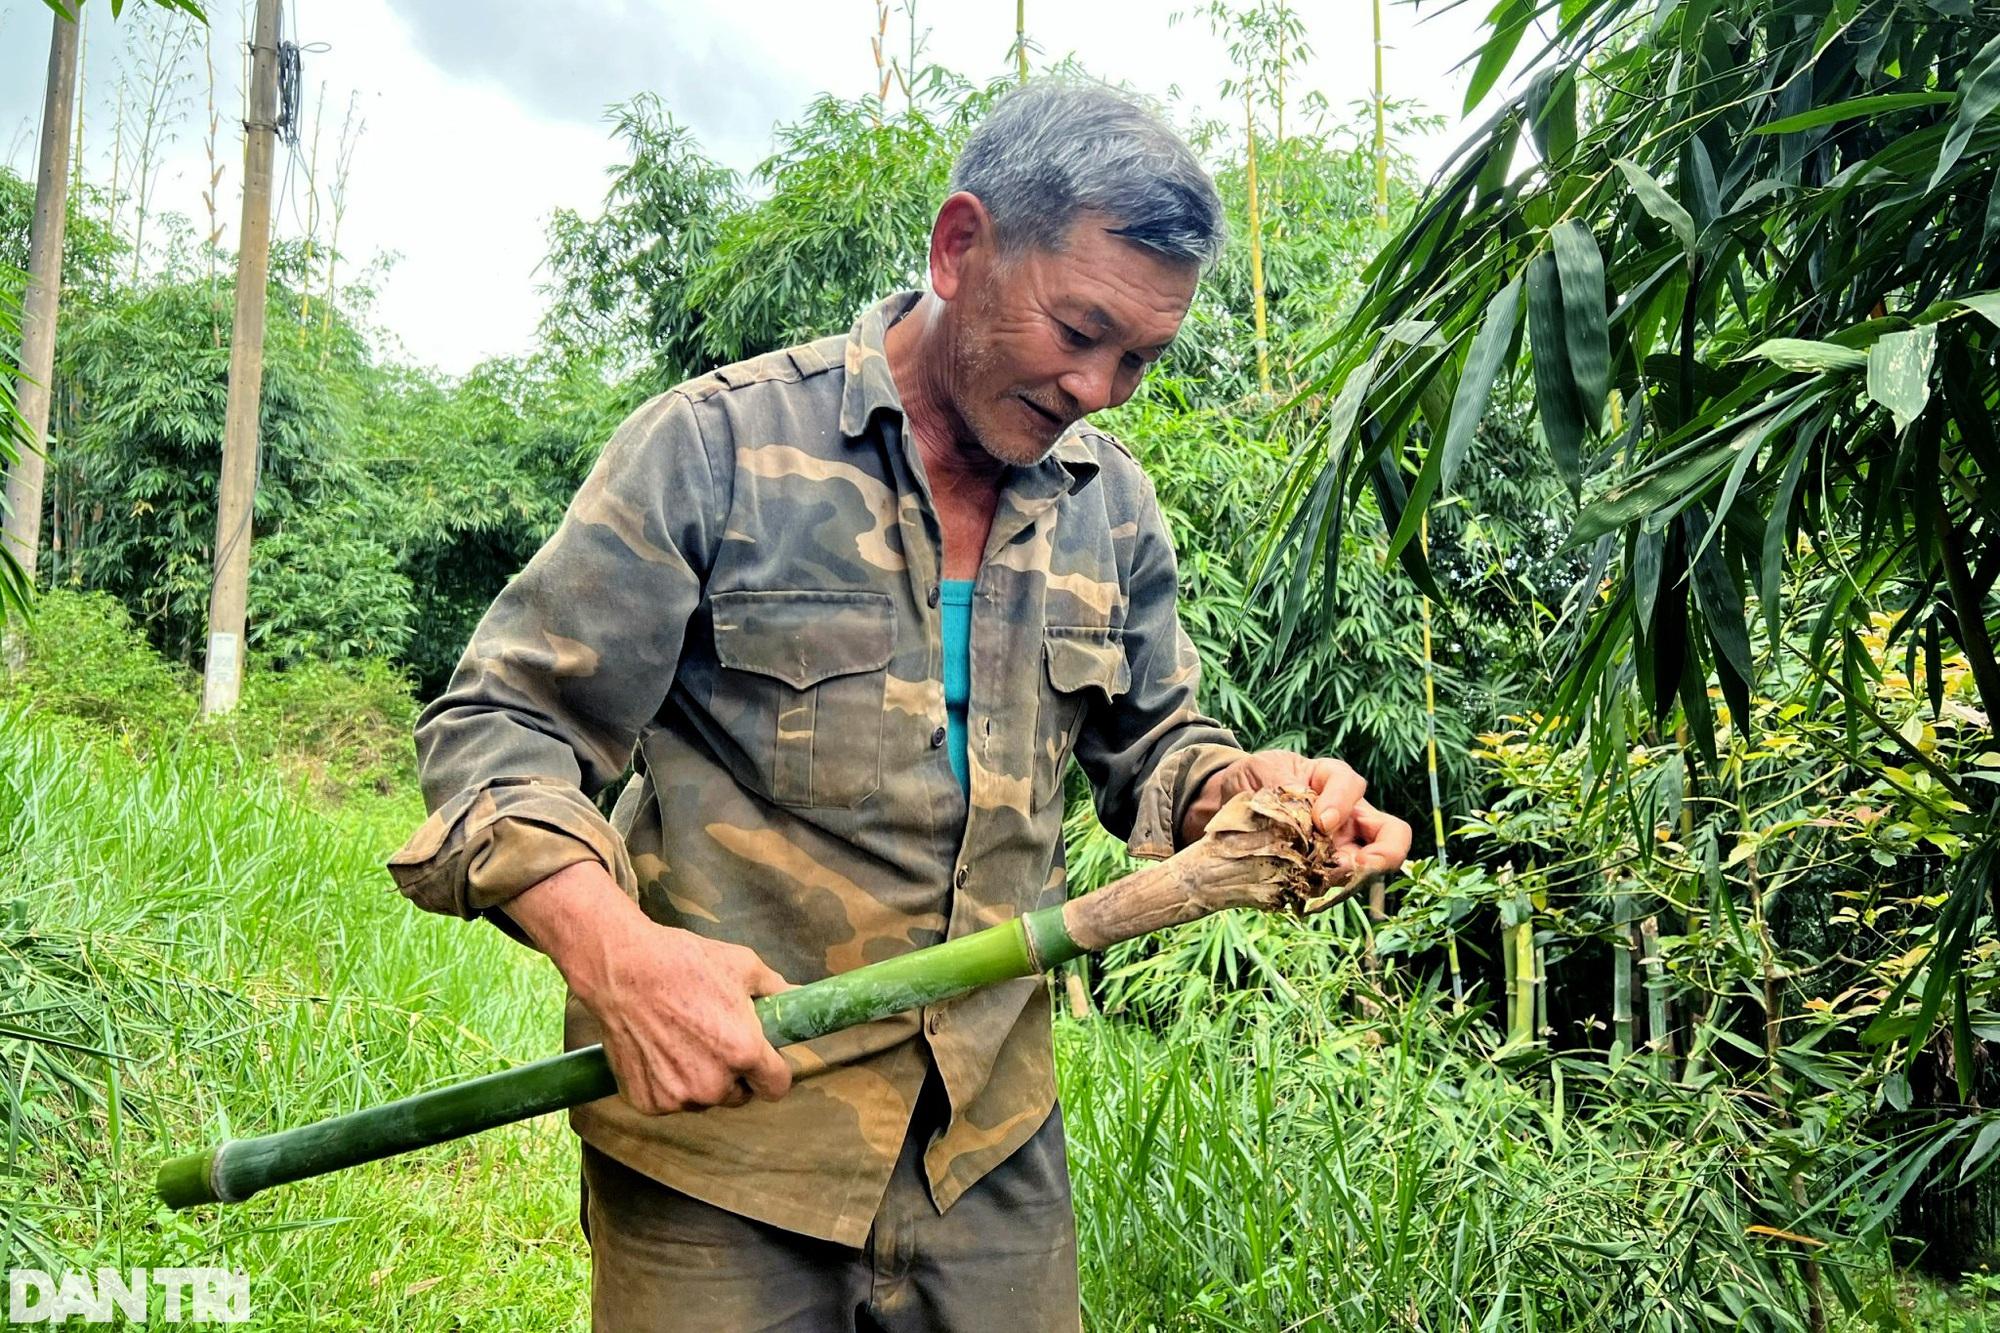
x: 197, y: 953
x: 1293, y: 1167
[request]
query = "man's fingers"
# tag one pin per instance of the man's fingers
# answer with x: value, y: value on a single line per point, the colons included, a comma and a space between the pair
x: 763, y: 981
x: 770, y: 1077
x: 1388, y: 844
x: 758, y: 978
x: 1338, y: 789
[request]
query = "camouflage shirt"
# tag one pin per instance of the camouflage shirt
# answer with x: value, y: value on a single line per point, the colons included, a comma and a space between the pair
x: 742, y: 602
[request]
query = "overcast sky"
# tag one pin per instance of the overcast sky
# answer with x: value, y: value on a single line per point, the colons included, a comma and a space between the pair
x: 484, y: 116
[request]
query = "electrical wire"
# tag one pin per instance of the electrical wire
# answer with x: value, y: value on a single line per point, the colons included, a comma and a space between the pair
x: 288, y: 93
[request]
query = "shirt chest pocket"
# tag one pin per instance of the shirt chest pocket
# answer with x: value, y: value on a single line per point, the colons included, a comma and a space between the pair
x: 801, y: 689
x: 1083, y: 666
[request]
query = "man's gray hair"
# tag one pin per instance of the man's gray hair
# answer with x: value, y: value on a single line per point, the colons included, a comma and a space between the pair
x: 1055, y: 148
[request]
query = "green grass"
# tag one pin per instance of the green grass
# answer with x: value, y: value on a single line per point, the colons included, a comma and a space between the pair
x: 242, y: 960
x: 1308, y: 1170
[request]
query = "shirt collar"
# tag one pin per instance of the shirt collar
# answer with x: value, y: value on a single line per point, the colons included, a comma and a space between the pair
x: 870, y: 388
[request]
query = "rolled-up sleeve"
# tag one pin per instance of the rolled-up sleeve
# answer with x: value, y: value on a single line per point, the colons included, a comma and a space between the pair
x: 1148, y: 751
x: 574, y: 656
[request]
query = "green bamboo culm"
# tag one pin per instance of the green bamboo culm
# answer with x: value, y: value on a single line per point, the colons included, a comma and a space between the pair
x: 234, y: 1170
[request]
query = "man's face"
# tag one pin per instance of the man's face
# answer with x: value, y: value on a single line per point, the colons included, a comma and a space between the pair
x: 1044, y: 338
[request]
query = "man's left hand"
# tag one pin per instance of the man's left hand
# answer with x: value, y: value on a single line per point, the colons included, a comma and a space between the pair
x: 1369, y: 841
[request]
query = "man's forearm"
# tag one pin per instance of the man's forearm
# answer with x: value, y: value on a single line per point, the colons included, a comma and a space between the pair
x: 572, y: 916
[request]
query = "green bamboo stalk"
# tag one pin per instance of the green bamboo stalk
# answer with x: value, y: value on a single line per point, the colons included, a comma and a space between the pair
x: 1540, y: 956
x: 1660, y: 1038
x: 1381, y: 129
x: 1621, y: 972
x: 235, y: 1169
x: 1263, y: 850
x: 1021, y: 38
x: 1256, y: 245
x: 1522, y: 1026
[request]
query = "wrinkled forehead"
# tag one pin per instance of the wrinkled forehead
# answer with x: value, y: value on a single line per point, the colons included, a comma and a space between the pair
x: 1108, y: 286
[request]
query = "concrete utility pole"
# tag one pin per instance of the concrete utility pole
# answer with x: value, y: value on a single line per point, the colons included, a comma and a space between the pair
x: 229, y: 598
x: 38, y: 324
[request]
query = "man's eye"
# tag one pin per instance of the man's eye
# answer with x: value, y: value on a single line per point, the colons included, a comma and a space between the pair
x: 1073, y: 336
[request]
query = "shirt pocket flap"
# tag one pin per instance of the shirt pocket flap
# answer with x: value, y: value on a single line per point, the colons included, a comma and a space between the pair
x: 803, y: 637
x: 1081, y: 657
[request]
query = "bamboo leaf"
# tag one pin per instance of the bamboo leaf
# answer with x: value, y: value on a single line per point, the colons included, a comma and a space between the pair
x: 1964, y: 1061
x: 1468, y: 406
x: 1700, y: 179
x: 1775, y: 529
x: 1807, y: 354
x: 1647, y: 549
x: 1721, y: 604
x: 1585, y: 325
x: 1734, y: 483
x: 1654, y: 198
x: 1482, y: 367
x: 1853, y: 109
x: 1347, y: 406
x: 1659, y: 491
x: 1556, y: 399
x: 1934, y: 668
x: 1508, y: 21
x: 1983, y: 303
x: 1694, y: 702
x: 1982, y: 1148
x: 1394, y: 502
x: 1551, y: 108
x: 1899, y: 372
x: 1978, y: 94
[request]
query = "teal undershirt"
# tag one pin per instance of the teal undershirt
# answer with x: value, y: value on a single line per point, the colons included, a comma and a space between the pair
x: 955, y: 602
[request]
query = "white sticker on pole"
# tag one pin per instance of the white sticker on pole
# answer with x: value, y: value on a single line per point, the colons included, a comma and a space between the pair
x: 223, y: 666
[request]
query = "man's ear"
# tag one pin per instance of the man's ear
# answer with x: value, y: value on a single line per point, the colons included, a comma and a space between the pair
x: 962, y: 240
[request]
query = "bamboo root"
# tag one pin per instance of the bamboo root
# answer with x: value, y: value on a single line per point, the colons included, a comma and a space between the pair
x: 1261, y: 850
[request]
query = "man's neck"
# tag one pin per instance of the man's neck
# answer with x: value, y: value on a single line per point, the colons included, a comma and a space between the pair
x: 917, y: 348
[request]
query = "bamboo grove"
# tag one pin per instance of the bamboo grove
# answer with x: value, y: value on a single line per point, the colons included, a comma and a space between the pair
x: 1744, y: 284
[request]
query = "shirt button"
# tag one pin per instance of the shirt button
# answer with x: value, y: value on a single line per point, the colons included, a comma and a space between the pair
x: 937, y: 738
x: 962, y: 875
x: 935, y: 1022
x: 932, y: 595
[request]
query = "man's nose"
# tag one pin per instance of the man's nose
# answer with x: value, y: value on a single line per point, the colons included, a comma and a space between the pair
x: 1091, y: 386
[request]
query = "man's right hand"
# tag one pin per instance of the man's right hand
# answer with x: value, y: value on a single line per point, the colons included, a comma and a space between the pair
x: 675, y: 1008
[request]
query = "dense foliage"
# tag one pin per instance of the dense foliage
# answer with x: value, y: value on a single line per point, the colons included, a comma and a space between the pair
x: 1751, y: 255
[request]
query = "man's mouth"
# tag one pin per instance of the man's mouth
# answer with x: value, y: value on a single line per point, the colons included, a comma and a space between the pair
x: 1050, y: 417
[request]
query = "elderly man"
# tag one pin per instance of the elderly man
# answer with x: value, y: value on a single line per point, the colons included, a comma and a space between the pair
x: 849, y: 609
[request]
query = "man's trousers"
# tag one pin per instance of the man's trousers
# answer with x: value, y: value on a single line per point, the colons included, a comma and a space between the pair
x: 1004, y: 1257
